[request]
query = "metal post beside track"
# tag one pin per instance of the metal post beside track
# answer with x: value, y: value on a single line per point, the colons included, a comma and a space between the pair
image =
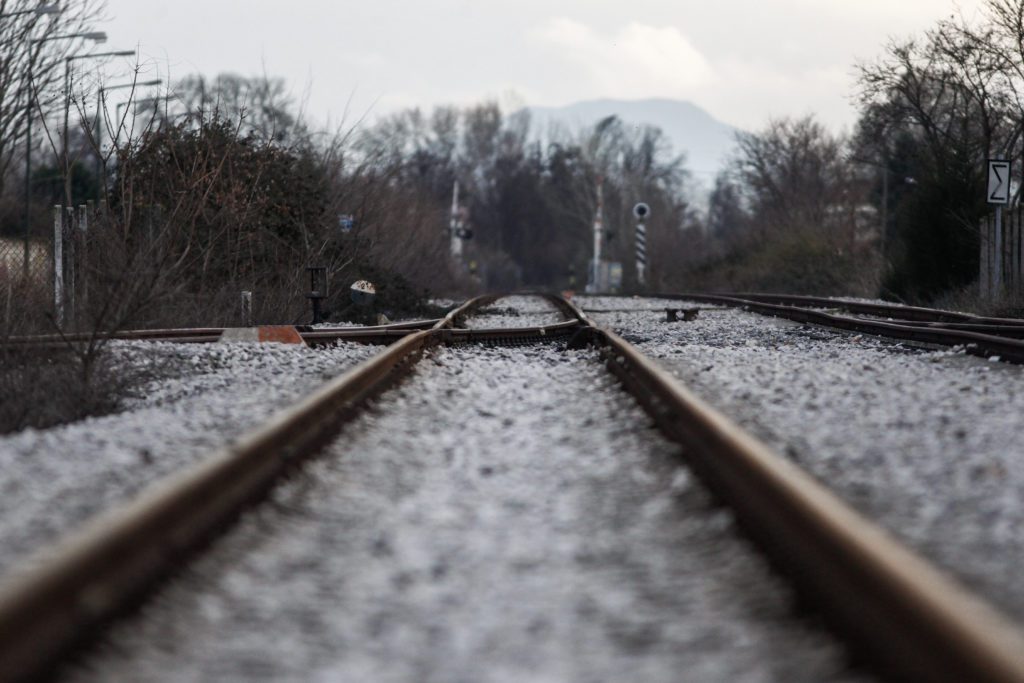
x: 58, y: 264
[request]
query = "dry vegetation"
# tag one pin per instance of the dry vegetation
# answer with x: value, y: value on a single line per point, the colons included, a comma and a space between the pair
x: 219, y: 187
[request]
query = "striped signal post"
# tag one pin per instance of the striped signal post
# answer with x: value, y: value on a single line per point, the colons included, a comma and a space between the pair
x: 641, y: 211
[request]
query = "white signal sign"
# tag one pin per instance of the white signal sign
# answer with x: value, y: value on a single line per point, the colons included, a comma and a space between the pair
x: 998, y: 182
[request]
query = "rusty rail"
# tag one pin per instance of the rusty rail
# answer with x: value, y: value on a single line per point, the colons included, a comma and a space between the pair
x: 978, y: 339
x: 907, y: 616
x: 95, y: 573
x: 373, y: 334
x: 894, y: 311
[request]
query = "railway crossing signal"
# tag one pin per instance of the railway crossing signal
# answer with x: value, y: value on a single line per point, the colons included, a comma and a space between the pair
x: 641, y: 211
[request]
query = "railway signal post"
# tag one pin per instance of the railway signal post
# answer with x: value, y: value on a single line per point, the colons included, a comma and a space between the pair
x: 999, y: 194
x: 641, y: 211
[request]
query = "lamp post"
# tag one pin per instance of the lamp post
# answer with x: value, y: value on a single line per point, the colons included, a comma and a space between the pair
x: 67, y: 109
x: 96, y: 36
x: 38, y: 11
x: 145, y: 100
x: 100, y: 108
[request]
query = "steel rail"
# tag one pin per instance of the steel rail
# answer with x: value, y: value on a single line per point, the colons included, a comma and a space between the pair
x: 314, y: 338
x: 1009, y: 331
x: 897, y: 312
x: 385, y: 333
x: 909, y: 618
x: 62, y: 594
x: 887, y: 312
x: 322, y: 336
x: 97, y: 572
x: 1007, y: 348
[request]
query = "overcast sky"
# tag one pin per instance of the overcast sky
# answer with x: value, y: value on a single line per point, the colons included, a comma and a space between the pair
x: 742, y: 60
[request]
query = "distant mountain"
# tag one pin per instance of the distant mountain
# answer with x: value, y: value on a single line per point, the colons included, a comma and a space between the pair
x: 705, y: 140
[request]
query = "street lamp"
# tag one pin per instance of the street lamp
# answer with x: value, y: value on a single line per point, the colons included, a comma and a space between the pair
x: 100, y: 109
x: 155, y: 101
x: 95, y: 36
x: 38, y: 11
x: 144, y: 100
x: 67, y: 107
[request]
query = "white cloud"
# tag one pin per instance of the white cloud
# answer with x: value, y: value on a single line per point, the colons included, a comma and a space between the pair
x: 820, y: 90
x: 636, y: 61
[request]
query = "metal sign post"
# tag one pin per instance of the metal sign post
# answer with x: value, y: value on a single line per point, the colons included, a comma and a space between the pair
x: 998, y: 194
x: 455, y: 243
x: 641, y: 211
x: 317, y: 291
x: 596, y: 285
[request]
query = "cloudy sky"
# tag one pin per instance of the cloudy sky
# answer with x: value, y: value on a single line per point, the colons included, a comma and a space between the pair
x: 742, y: 60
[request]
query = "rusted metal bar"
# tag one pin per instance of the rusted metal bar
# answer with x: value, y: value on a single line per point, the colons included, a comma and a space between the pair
x: 96, y: 572
x: 93, y: 574
x: 386, y: 333
x: 911, y: 313
x: 975, y: 343
x: 910, y: 619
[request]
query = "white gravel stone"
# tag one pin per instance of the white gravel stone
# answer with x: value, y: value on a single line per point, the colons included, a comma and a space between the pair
x: 516, y: 311
x: 927, y: 443
x: 504, y: 515
x: 52, y: 480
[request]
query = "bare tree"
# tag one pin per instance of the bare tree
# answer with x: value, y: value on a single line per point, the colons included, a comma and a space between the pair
x: 31, y: 56
x: 262, y: 104
x: 936, y: 107
x: 792, y: 176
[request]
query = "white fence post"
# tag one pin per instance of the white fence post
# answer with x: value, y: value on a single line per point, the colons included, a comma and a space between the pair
x: 83, y: 252
x: 58, y: 263
x: 246, y: 309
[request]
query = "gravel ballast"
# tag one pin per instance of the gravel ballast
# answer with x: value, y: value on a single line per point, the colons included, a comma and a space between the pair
x: 200, y: 397
x: 515, y: 311
x: 506, y: 514
x: 925, y: 442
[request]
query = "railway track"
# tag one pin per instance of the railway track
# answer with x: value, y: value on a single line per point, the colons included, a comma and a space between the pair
x: 897, y: 312
x: 313, y: 336
x: 977, y: 335
x: 905, y: 616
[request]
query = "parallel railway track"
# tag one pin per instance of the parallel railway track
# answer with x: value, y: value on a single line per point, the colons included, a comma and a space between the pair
x: 314, y: 336
x: 895, y: 311
x: 979, y: 336
x: 906, y: 617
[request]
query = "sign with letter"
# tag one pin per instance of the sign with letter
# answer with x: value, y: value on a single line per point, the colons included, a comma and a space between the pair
x: 998, y: 182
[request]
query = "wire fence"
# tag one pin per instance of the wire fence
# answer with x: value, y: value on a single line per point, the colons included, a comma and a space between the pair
x: 15, y: 263
x: 28, y: 268
x: 1001, y: 260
